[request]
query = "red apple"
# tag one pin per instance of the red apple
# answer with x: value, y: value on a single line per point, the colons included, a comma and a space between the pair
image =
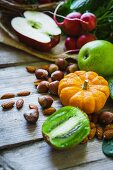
x: 37, y: 29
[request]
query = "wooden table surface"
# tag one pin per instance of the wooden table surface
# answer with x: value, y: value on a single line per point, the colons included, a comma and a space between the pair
x: 22, y: 146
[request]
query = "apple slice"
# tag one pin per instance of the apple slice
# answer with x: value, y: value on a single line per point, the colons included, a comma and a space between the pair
x: 37, y: 29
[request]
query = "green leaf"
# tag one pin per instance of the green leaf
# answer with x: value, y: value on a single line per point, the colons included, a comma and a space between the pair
x: 107, y: 147
x: 110, y: 83
x: 82, y: 5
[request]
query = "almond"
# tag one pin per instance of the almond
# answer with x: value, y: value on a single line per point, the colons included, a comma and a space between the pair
x: 7, y: 96
x: 8, y: 105
x: 23, y: 93
x: 108, y: 134
x: 92, y: 125
x: 31, y: 69
x: 108, y: 127
x: 92, y: 133
x: 49, y: 111
x: 99, y: 133
x: 19, y: 103
x: 85, y: 140
x: 45, y: 67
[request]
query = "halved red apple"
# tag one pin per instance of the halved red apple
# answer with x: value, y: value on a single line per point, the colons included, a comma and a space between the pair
x: 37, y: 29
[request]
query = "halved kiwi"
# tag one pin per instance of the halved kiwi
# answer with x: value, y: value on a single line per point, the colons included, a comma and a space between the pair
x: 66, y: 127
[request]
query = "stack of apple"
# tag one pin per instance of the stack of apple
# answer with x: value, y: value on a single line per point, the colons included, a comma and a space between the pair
x: 78, y: 28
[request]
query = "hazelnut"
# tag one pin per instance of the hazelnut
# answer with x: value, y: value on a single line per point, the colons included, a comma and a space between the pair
x: 106, y: 117
x: 31, y: 116
x: 41, y: 74
x: 43, y: 87
x: 45, y: 101
x: 72, y: 68
x: 57, y: 75
x: 53, y: 87
x: 52, y: 68
x: 61, y: 63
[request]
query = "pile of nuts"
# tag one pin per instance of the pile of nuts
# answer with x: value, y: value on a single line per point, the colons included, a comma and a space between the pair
x: 47, y: 81
x: 101, y: 126
x: 48, y: 78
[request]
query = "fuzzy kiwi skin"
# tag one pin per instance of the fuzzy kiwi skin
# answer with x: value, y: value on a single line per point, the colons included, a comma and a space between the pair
x: 47, y: 139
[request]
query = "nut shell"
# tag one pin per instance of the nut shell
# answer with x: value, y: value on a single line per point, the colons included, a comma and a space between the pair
x: 53, y: 68
x: 61, y: 63
x: 57, y: 75
x: 43, y: 87
x: 41, y: 74
x: 45, y: 101
x: 106, y: 117
x: 31, y: 116
x: 53, y: 87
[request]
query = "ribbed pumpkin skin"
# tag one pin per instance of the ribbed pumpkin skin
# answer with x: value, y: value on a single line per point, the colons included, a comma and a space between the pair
x: 90, y: 100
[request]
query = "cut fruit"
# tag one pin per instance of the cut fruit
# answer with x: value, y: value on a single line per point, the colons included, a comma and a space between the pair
x: 37, y: 30
x: 66, y: 127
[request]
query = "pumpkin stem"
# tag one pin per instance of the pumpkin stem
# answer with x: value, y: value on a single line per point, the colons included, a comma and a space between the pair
x: 85, y: 85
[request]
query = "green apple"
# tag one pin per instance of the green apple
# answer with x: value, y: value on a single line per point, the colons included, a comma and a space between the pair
x: 97, y: 56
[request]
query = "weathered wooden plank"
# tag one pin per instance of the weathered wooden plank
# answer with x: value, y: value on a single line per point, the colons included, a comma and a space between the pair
x: 4, y: 165
x: 10, y: 55
x: 13, y: 127
x: 15, y: 79
x: 40, y: 156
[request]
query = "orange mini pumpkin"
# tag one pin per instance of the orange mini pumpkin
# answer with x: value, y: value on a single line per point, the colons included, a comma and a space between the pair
x: 86, y: 90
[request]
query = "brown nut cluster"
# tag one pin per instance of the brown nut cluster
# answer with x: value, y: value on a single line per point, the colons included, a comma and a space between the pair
x: 101, y: 125
x: 48, y: 76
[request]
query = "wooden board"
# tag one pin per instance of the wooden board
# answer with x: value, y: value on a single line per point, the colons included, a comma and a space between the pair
x: 35, y: 154
x: 39, y: 156
x: 14, y: 129
x: 14, y: 57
